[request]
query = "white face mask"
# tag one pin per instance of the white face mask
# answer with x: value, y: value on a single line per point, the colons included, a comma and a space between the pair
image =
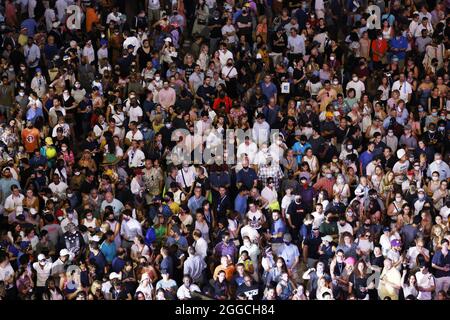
x: 157, y: 78
x: 435, y: 178
x: 21, y: 94
x: 340, y: 180
x: 42, y: 263
x: 439, y: 161
x: 398, y: 199
x: 355, y: 79
x: 64, y: 148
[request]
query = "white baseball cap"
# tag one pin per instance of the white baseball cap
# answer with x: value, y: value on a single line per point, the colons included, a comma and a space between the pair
x: 41, y: 257
x: 401, y: 153
x: 114, y: 275
x: 64, y: 252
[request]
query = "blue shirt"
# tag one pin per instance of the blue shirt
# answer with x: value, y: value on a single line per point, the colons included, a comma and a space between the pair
x: 399, y: 43
x: 246, y: 177
x: 268, y: 90
x: 31, y: 26
x: 365, y: 158
x: 117, y: 264
x: 277, y: 227
x: 441, y: 261
x: 108, y: 250
x: 299, y: 148
x: 240, y: 204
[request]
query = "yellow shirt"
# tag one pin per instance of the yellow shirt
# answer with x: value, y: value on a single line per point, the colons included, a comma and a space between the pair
x: 386, y: 290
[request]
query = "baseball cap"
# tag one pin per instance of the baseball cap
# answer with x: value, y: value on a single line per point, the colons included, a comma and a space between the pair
x: 64, y: 252
x: 41, y: 257
x: 114, y: 275
x: 395, y: 243
x: 421, y: 190
x: 400, y: 153
x: 327, y: 238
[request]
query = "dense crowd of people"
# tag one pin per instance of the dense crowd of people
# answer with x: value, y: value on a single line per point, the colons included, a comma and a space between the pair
x: 335, y: 112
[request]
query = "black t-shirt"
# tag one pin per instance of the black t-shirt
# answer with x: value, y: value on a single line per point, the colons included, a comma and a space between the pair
x: 144, y: 57
x: 216, y: 31
x: 279, y: 43
x: 359, y: 285
x: 245, y: 19
x: 188, y: 70
x: 343, y: 134
x: 248, y: 291
x: 87, y: 186
x: 313, y: 247
x: 203, y: 183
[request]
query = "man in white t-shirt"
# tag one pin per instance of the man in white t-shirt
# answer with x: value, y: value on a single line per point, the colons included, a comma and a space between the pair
x: 400, y: 167
x: 6, y: 271
x: 14, y: 200
x: 296, y: 43
x: 43, y: 268
x: 403, y: 87
x: 249, y: 148
x: 186, y: 177
x: 426, y: 283
x: 357, y: 85
x: 225, y: 55
x: 135, y: 156
x: 58, y: 187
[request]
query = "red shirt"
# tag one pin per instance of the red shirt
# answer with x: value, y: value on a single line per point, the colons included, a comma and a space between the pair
x: 379, y: 48
x: 227, y: 101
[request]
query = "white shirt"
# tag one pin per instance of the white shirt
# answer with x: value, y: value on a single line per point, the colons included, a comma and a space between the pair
x: 250, y: 232
x: 346, y: 228
x: 88, y: 51
x: 251, y: 149
x: 229, y: 72
x: 59, y: 189
x: 358, y: 86
x: 135, y: 113
x: 130, y: 229
x: 228, y: 29
x: 134, y: 136
x: 136, y: 158
x: 270, y: 195
x: 404, y: 88
x: 113, y: 17
x: 42, y: 273
x: 185, y: 293
x: 412, y: 254
x: 318, y: 218
x: 224, y: 57
x: 6, y: 272
x: 147, y: 291
x: 201, y: 247
x: 188, y: 175
x: 12, y: 202
x: 425, y: 281
x: 296, y: 44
